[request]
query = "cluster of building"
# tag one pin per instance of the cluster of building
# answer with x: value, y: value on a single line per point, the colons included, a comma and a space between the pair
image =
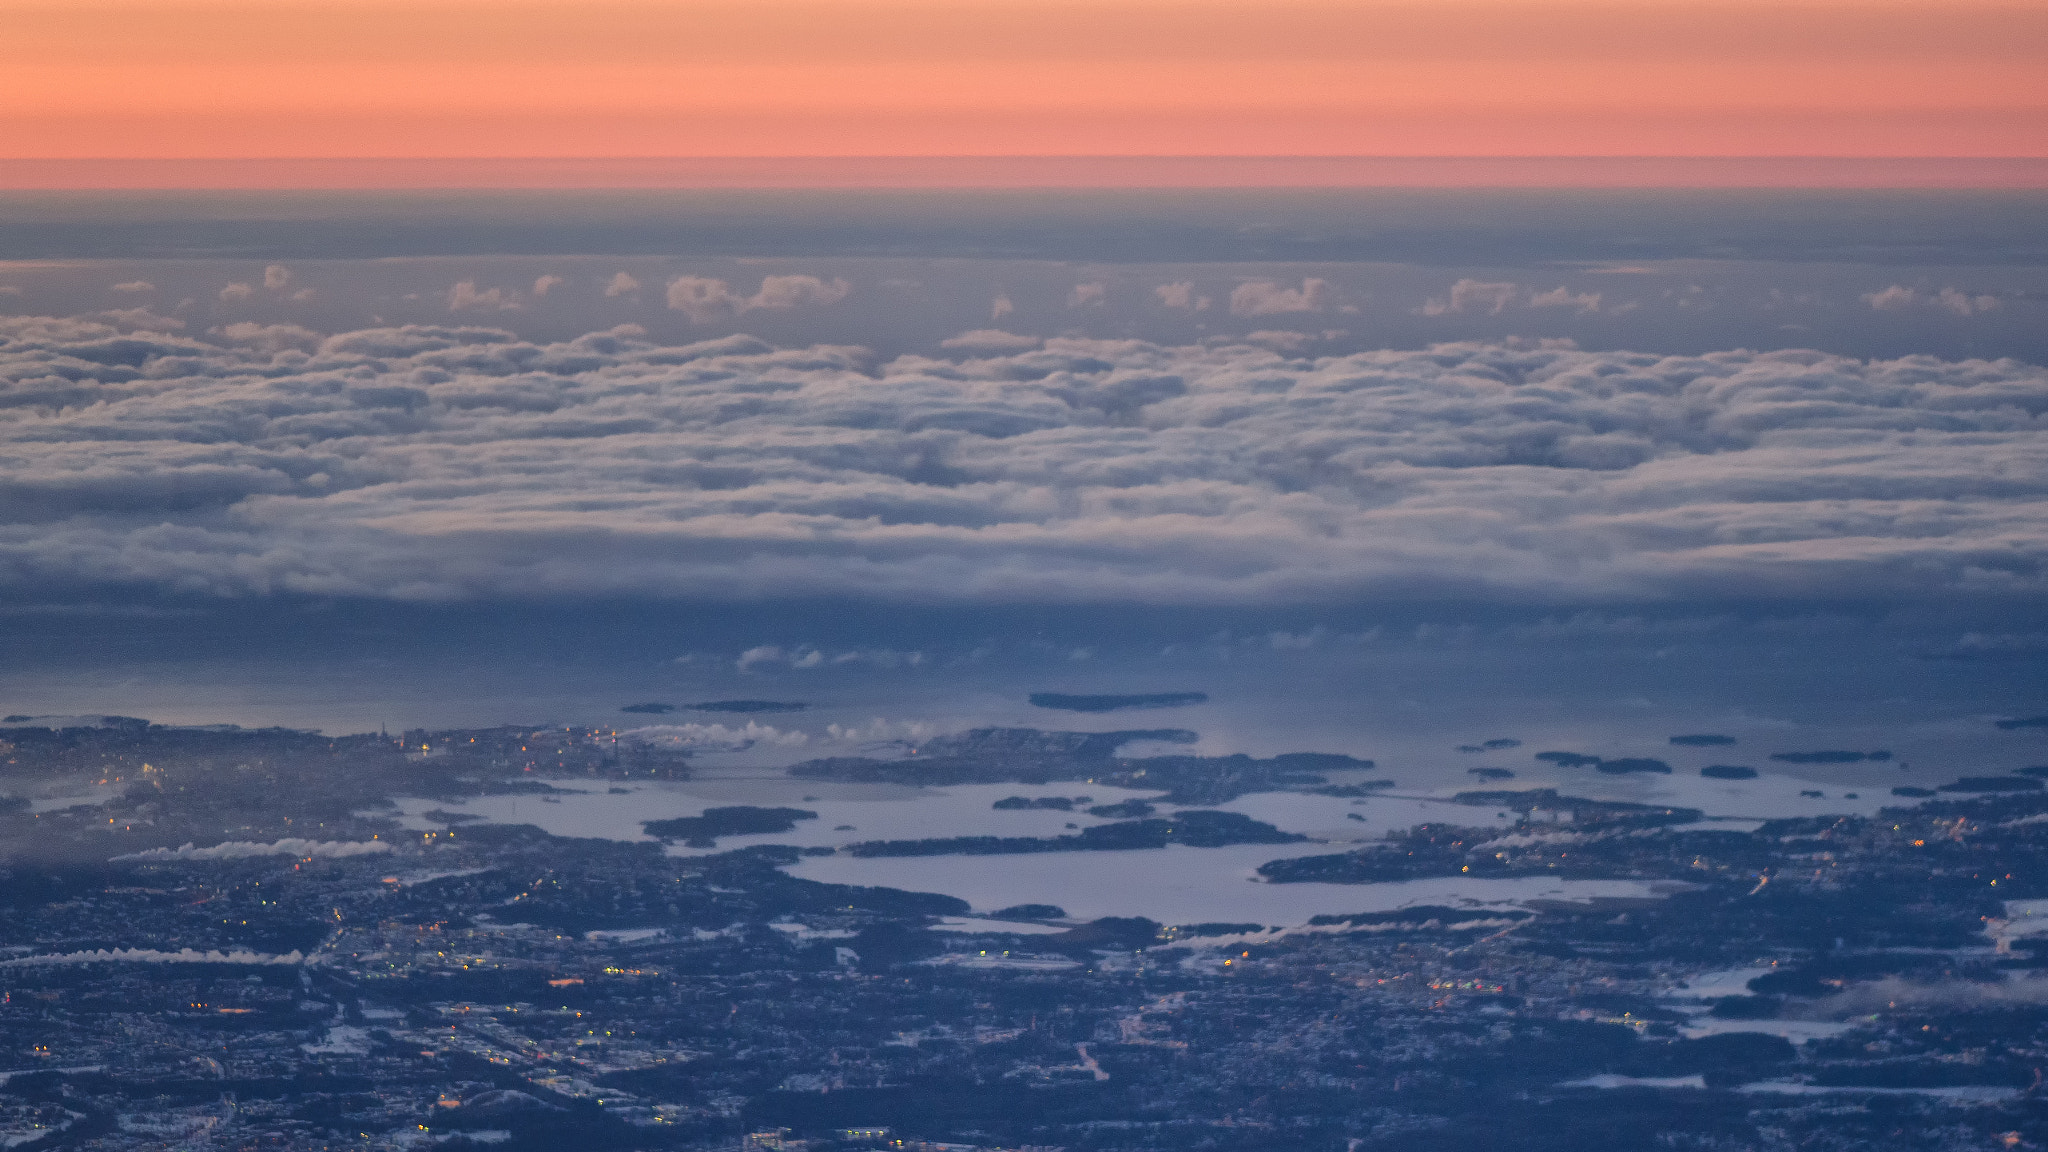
x: 1811, y: 984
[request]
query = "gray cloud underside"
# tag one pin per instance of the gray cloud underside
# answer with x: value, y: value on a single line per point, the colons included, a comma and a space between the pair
x: 427, y: 463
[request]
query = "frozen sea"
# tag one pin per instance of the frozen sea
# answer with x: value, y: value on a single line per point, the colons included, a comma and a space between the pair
x: 1174, y: 885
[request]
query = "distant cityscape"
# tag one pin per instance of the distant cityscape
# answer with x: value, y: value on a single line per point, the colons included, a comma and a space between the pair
x: 231, y: 938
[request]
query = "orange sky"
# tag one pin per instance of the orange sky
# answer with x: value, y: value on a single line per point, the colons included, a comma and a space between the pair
x: 678, y: 78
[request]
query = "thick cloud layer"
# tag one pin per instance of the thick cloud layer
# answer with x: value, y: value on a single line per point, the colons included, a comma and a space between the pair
x: 452, y: 463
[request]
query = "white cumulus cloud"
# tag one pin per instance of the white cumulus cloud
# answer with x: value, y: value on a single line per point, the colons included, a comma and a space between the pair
x: 466, y: 297
x: 707, y: 300
x: 1562, y: 297
x: 1898, y: 297
x: 1265, y: 298
x: 806, y: 656
x: 703, y: 299
x: 792, y: 291
x: 1473, y: 296
x: 1093, y: 294
x: 1181, y: 295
